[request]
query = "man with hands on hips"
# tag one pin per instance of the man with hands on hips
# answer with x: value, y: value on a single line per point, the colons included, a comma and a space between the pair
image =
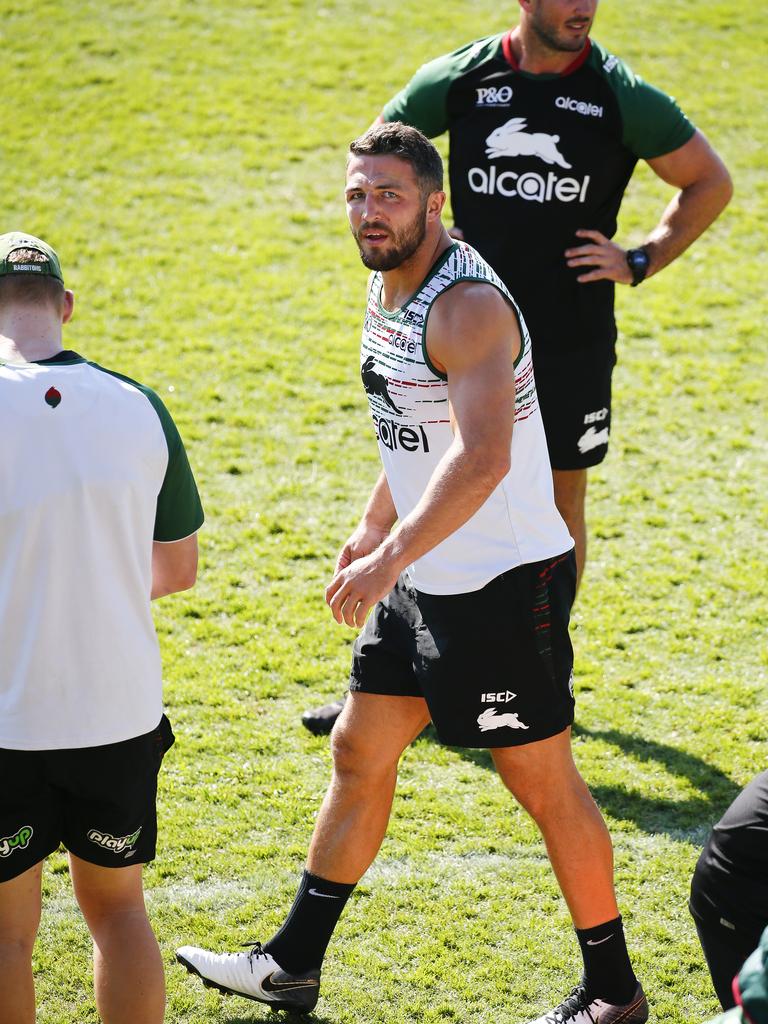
x: 546, y: 127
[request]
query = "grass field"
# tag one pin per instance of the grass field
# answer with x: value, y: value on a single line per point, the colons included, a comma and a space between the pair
x: 186, y: 160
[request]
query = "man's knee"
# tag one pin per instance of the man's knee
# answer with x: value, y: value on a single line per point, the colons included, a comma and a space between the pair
x: 16, y: 948
x: 357, y: 755
x: 544, y: 788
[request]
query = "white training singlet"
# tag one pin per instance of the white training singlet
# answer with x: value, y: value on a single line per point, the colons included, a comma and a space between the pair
x: 92, y: 470
x: 519, y: 522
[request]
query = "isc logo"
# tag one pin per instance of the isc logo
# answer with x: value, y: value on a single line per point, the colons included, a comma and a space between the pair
x: 491, y: 96
x: 497, y: 698
x: 596, y: 417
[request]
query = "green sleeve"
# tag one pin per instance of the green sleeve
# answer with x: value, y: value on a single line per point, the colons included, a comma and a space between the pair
x: 179, y: 510
x: 423, y: 102
x: 653, y: 123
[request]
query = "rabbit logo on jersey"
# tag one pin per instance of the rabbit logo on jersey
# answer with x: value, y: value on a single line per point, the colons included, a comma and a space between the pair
x: 511, y: 140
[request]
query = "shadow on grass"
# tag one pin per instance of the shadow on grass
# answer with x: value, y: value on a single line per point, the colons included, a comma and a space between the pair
x: 650, y: 813
x: 657, y: 814
x: 278, y: 1016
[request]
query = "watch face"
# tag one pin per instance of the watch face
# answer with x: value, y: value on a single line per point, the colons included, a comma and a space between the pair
x: 639, y: 262
x: 639, y: 259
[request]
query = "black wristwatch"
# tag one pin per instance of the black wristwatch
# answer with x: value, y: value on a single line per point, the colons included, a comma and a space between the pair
x: 638, y: 261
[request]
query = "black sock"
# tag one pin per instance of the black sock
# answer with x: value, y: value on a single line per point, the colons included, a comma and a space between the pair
x: 301, y: 942
x: 608, y: 974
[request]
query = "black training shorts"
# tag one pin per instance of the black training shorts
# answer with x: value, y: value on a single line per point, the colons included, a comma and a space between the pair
x: 575, y: 400
x: 495, y: 666
x: 729, y: 889
x: 98, y: 801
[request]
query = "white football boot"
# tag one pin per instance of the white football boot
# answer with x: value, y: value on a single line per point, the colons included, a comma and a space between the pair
x: 254, y: 975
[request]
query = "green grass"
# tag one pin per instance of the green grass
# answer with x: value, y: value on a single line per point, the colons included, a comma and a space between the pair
x: 186, y: 159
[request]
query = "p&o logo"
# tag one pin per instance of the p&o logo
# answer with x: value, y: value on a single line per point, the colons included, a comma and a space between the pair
x: 493, y: 96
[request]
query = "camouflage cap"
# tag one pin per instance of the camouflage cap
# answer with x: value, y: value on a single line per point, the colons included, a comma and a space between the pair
x: 24, y: 254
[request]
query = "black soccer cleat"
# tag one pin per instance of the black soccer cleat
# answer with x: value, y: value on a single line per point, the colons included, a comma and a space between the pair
x: 577, y: 1008
x: 321, y: 720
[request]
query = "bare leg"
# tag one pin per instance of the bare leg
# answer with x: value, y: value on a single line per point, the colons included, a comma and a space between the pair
x: 544, y: 778
x: 19, y: 920
x: 368, y: 740
x: 570, y: 498
x: 127, y: 968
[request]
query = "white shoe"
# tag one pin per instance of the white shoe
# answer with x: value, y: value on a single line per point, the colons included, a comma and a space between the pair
x: 254, y: 975
x: 577, y: 1009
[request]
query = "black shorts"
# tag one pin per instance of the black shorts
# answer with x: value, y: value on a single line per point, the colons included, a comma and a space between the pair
x: 575, y: 402
x: 98, y: 801
x: 729, y: 889
x: 495, y: 666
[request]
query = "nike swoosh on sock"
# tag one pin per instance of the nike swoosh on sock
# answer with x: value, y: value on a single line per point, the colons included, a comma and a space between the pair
x: 598, y: 942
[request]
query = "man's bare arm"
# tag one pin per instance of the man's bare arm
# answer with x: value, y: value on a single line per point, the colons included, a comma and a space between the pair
x: 474, y: 337
x: 374, y: 526
x: 705, y: 189
x: 174, y: 566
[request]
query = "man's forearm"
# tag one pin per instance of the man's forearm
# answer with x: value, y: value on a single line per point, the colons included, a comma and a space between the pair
x: 686, y: 217
x: 380, y: 512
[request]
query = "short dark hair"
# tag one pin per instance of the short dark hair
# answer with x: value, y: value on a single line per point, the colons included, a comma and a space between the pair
x: 31, y: 290
x: 393, y: 138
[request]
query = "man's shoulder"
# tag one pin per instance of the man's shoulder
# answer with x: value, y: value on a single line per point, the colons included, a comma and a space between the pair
x: 614, y: 71
x: 143, y: 392
x: 653, y: 124
x: 123, y: 378
x: 466, y: 300
x: 467, y: 56
x: 469, y: 304
x: 440, y: 72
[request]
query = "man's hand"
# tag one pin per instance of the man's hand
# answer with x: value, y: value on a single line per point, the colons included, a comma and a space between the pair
x: 362, y: 542
x: 607, y: 258
x: 354, y: 590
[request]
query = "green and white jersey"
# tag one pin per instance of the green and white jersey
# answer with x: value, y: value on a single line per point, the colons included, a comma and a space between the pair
x: 408, y: 397
x: 92, y: 470
x: 533, y: 158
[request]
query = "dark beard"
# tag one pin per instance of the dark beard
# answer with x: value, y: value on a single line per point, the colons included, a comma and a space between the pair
x: 552, y: 42
x: 404, y: 245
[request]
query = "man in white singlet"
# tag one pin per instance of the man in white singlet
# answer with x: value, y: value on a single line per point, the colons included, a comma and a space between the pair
x: 469, y: 574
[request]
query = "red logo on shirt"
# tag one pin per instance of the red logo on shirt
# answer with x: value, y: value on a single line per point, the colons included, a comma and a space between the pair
x: 52, y: 397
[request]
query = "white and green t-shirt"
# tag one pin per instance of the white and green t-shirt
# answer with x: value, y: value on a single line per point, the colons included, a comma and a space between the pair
x: 92, y: 470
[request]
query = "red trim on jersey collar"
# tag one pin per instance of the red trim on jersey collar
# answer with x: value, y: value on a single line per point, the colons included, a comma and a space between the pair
x: 506, y: 46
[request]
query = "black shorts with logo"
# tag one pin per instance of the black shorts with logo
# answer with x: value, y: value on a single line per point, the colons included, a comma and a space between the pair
x: 98, y: 801
x: 575, y: 400
x: 495, y: 666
